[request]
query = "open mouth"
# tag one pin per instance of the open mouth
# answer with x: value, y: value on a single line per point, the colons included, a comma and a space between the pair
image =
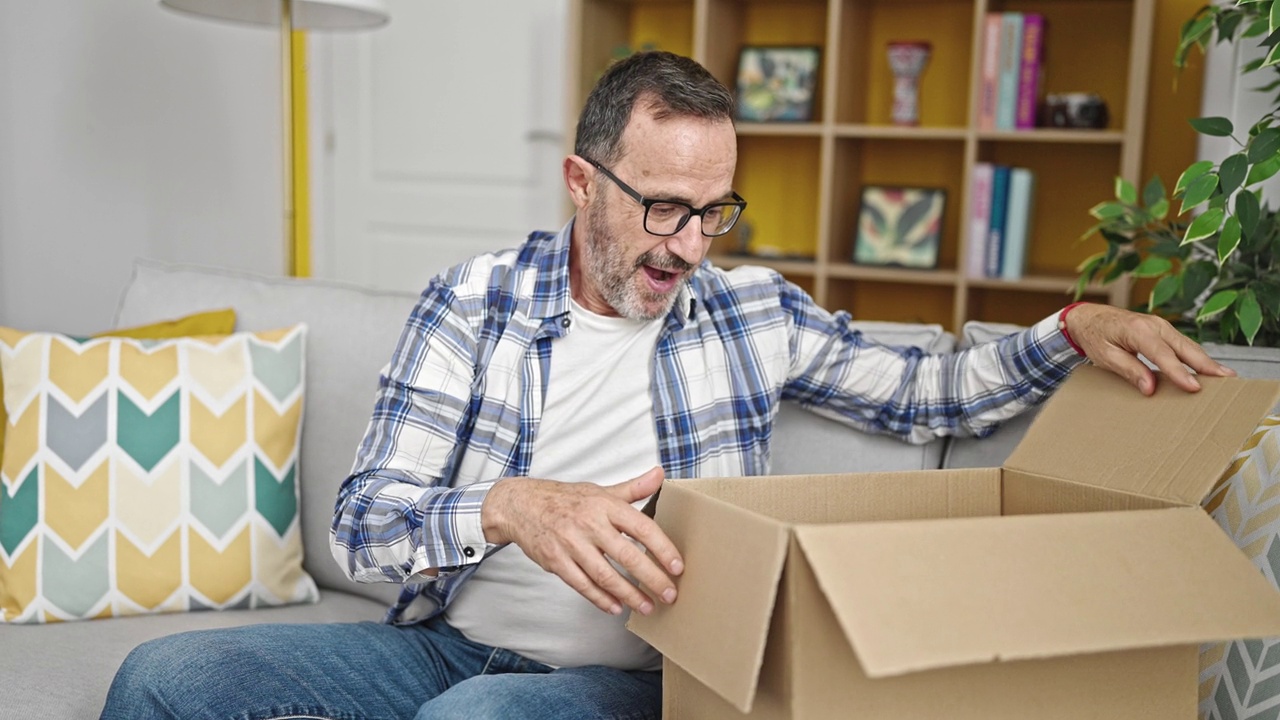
x: 661, y: 281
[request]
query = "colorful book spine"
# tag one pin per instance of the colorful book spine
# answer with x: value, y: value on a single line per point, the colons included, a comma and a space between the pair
x: 979, y: 219
x: 1029, y: 70
x: 990, y: 72
x: 1010, y: 68
x: 1018, y: 223
x: 999, y: 215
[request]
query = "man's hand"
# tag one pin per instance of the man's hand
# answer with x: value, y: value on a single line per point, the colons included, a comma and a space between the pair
x: 573, y: 529
x: 1112, y: 337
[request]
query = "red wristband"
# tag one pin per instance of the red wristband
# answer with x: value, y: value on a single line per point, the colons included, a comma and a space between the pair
x: 1062, y: 326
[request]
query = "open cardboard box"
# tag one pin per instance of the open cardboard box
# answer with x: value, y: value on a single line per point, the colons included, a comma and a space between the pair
x: 1077, y: 581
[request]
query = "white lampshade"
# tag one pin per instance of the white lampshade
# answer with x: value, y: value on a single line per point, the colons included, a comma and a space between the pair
x: 307, y: 14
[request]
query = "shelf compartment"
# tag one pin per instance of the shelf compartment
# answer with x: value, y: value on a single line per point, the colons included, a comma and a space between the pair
x: 779, y: 177
x: 732, y: 24
x: 1070, y: 179
x: 1019, y: 305
x: 906, y: 301
x: 864, y: 89
x: 901, y: 162
x: 609, y: 28
x: 1086, y: 48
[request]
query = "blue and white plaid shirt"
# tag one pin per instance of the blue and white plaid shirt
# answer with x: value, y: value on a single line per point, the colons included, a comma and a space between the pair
x: 458, y: 406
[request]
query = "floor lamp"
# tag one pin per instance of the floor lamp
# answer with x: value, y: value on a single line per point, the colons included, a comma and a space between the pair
x: 290, y: 15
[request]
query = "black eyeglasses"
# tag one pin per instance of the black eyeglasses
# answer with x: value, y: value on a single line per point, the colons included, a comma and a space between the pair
x: 668, y: 217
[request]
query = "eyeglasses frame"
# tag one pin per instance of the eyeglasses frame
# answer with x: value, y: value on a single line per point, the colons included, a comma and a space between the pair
x: 647, y: 203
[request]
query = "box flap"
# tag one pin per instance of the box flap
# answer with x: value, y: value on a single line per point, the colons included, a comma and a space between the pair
x: 717, y: 628
x: 913, y: 596
x: 1098, y: 430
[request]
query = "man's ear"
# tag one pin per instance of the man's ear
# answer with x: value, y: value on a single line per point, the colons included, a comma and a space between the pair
x: 578, y: 180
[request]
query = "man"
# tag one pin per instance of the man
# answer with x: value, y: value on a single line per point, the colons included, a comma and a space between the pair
x: 537, y: 396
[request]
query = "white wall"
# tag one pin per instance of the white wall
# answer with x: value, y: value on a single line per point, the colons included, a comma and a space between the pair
x: 129, y: 130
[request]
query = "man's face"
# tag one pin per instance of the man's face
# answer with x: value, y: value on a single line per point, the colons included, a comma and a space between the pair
x: 621, y: 269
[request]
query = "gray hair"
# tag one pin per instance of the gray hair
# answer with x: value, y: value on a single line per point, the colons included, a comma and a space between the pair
x: 668, y: 84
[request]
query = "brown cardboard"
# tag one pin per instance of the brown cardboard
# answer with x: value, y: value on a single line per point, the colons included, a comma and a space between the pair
x: 1077, y: 581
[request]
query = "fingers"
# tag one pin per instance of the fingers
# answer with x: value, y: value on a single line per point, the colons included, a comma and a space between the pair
x: 1112, y: 338
x: 1128, y: 367
x: 641, y: 486
x: 574, y: 530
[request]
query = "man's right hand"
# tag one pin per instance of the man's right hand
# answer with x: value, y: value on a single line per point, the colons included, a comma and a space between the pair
x: 573, y: 529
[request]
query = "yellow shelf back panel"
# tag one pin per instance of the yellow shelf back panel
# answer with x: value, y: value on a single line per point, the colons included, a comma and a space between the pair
x: 1070, y: 179
x: 892, y: 302
x: 944, y: 84
x: 1014, y: 306
x: 779, y: 178
x: 664, y: 26
x: 1079, y: 39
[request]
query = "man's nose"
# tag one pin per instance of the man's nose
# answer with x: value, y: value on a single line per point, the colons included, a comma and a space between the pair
x: 689, y: 244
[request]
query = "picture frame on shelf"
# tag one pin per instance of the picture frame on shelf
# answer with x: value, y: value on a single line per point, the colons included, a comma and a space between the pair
x: 899, y: 227
x: 777, y: 83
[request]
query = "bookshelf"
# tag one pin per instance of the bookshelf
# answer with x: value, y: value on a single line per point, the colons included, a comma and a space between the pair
x: 803, y: 180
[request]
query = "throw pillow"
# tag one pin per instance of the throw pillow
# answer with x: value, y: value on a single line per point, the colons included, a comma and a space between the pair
x: 1241, y: 679
x: 214, y: 322
x: 148, y: 476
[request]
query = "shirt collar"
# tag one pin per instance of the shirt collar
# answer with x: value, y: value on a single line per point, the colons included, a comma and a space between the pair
x: 551, y: 298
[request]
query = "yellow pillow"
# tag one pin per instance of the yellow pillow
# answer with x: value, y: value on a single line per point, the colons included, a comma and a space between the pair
x: 213, y: 322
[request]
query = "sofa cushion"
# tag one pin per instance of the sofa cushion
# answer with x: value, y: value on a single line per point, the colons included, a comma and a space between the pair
x: 351, y: 335
x: 1237, y: 678
x: 150, y: 476
x: 213, y: 322
x: 805, y: 442
x: 64, y: 670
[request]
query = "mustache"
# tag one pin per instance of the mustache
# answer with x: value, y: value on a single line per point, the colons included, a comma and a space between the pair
x: 663, y: 261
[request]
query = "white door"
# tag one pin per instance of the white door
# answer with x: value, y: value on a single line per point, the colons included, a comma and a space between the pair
x: 440, y: 136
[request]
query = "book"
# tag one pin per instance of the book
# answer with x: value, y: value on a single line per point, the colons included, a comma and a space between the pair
x: 990, y: 71
x: 1010, y: 68
x: 1017, y: 229
x: 1029, y: 71
x: 999, y: 215
x: 979, y: 219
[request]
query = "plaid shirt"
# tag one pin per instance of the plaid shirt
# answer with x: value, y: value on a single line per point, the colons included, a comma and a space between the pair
x: 459, y: 404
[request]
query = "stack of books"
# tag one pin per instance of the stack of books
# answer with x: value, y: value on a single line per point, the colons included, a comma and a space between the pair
x: 999, y: 221
x: 1012, y: 51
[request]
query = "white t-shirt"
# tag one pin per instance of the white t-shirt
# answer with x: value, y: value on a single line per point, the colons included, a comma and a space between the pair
x: 597, y: 426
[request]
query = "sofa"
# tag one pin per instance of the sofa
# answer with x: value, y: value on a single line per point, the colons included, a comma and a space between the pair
x: 63, y: 670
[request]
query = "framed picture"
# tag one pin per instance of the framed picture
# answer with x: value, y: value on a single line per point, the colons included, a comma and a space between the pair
x: 777, y: 83
x: 899, y: 227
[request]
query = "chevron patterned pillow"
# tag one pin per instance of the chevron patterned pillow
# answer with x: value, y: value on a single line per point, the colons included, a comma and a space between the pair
x: 149, y: 476
x: 1241, y: 679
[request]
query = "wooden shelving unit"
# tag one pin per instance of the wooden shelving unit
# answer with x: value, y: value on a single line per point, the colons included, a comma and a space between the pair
x: 803, y: 180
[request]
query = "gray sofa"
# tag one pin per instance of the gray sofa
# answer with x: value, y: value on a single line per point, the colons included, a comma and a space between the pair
x: 63, y: 670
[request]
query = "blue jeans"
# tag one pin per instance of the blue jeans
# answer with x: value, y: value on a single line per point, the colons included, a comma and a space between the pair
x: 363, y: 671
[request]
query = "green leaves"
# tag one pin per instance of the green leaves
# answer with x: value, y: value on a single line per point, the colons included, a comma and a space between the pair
x: 1215, y: 126
x: 1250, y: 315
x: 1264, y: 145
x: 1153, y: 266
x: 1204, y: 226
x: 1218, y: 302
x: 1210, y: 248
x: 1199, y: 191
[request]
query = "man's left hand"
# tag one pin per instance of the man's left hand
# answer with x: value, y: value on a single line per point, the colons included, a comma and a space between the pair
x: 1112, y: 338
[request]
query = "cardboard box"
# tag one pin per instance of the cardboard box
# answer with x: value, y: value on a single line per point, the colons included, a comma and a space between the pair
x: 1077, y: 581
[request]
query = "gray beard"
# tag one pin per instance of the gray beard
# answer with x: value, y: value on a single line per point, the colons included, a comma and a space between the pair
x: 615, y: 278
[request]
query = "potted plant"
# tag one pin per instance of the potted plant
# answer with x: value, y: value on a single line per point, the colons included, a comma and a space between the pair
x: 1214, y: 262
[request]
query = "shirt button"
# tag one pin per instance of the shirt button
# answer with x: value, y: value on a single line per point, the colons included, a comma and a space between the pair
x: 565, y: 323
x: 469, y: 552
